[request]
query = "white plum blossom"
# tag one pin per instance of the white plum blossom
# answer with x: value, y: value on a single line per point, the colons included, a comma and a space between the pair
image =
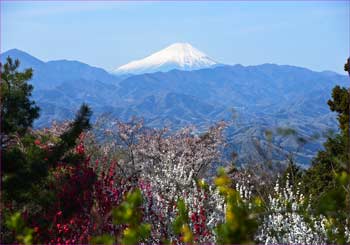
x: 285, y: 222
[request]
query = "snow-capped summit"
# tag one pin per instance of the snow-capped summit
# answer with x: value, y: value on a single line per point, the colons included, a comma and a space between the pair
x: 182, y: 56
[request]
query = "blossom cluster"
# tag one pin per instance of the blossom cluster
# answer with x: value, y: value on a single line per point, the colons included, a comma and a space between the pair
x: 289, y: 219
x: 167, y: 167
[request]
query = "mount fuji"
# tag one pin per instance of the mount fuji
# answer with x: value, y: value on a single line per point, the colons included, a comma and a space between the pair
x: 181, y: 56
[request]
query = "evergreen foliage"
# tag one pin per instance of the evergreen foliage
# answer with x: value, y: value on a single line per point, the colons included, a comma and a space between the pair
x: 18, y: 111
x: 28, y: 157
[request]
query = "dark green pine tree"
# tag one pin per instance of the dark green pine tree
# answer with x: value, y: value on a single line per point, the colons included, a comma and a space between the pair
x: 319, y: 178
x: 25, y: 165
x: 329, y: 193
x: 18, y: 111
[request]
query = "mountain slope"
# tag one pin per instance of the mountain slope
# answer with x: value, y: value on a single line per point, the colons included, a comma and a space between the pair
x: 48, y: 75
x: 182, y: 56
x: 265, y: 88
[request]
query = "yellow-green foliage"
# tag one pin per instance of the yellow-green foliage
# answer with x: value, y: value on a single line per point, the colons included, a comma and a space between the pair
x: 104, y: 239
x: 129, y: 213
x: 181, y: 223
x: 15, y: 222
x: 240, y: 221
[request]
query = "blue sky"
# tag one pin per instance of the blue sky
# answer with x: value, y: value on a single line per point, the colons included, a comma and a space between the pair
x: 312, y: 34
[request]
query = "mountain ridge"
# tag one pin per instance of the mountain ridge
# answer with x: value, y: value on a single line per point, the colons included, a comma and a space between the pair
x: 49, y: 74
x: 18, y: 53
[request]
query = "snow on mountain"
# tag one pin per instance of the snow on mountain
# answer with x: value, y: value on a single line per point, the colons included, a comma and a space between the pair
x: 182, y: 56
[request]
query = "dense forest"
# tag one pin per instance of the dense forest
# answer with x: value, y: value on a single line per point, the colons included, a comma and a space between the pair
x: 110, y: 181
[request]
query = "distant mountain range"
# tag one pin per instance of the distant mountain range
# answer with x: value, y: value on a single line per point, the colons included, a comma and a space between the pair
x: 48, y: 75
x: 262, y: 97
